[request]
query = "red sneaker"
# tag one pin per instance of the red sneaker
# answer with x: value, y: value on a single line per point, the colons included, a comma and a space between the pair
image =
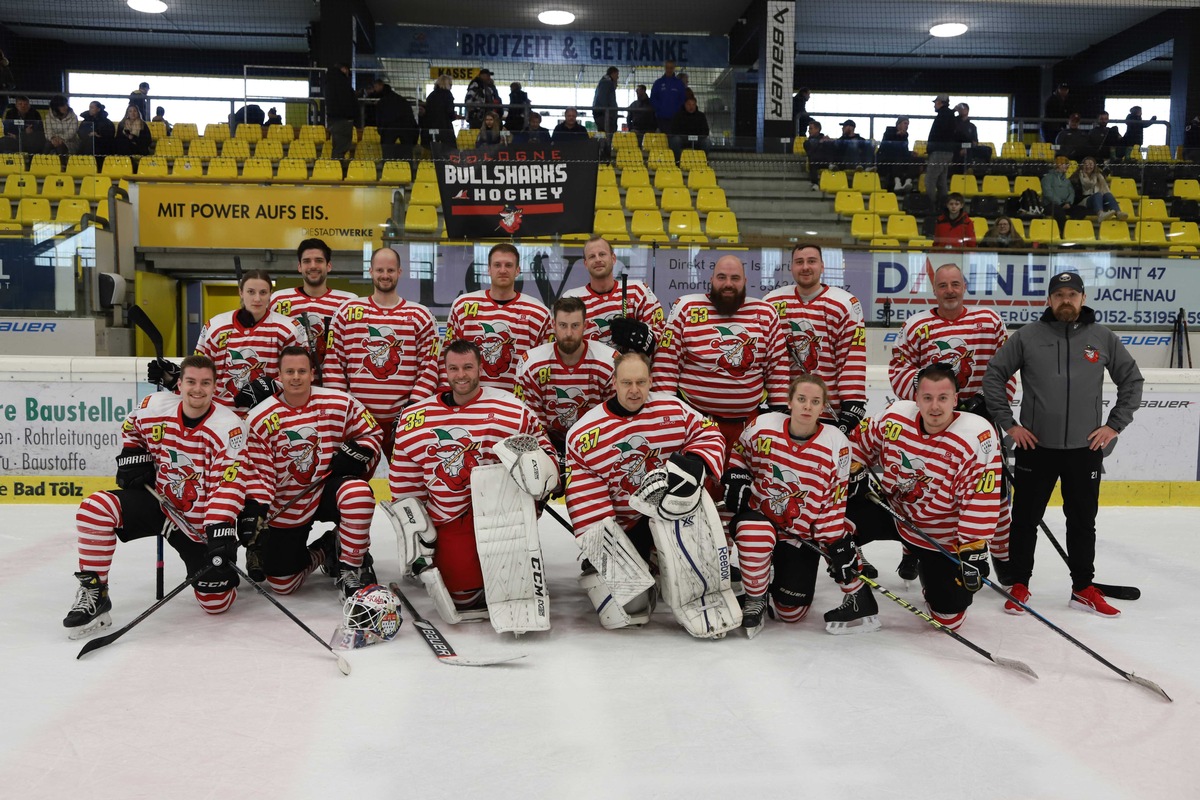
x: 1021, y: 592
x: 1092, y: 599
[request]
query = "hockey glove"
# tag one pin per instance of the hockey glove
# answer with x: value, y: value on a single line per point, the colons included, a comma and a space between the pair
x: 251, y: 521
x: 975, y: 404
x: 844, y: 565
x: 222, y: 543
x: 163, y: 373
x: 531, y: 467
x: 135, y: 468
x: 973, y: 564
x: 858, y: 480
x: 737, y: 484
x: 851, y: 414
x: 631, y: 335
x: 685, y: 482
x: 350, y: 460
x: 255, y: 392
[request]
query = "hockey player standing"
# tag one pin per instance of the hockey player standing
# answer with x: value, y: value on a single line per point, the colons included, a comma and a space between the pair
x: 190, y: 451
x: 940, y: 470
x: 313, y: 303
x: 312, y: 448
x: 505, y: 324
x: 626, y: 316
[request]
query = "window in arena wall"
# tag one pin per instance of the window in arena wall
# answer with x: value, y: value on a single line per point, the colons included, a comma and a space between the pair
x: 831, y: 109
x: 1118, y: 109
x: 84, y: 87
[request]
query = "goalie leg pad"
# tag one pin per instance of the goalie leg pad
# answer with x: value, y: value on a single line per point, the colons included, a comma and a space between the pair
x: 612, y: 614
x: 415, y: 533
x: 431, y: 579
x: 693, y: 560
x: 510, y: 553
x: 622, y: 569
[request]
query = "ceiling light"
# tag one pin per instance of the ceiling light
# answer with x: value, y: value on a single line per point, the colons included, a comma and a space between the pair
x: 948, y: 29
x: 147, y: 6
x: 556, y: 17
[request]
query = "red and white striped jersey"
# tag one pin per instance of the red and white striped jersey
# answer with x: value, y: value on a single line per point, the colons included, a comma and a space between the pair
x: 641, y: 304
x: 608, y: 455
x: 723, y: 365
x: 291, y: 447
x: 204, y: 471
x: 799, y: 486
x: 826, y: 337
x: 560, y: 394
x: 966, y: 344
x: 386, y: 357
x: 947, y: 484
x: 313, y: 313
x: 437, y: 446
x: 243, y: 354
x: 504, y: 332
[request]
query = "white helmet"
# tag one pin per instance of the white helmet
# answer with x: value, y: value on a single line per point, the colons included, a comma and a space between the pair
x: 372, y: 609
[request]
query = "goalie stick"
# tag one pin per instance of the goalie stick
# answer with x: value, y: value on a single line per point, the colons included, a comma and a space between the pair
x: 437, y: 643
x: 139, y: 317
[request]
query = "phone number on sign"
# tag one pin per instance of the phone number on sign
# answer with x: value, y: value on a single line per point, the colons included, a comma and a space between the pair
x: 1117, y: 316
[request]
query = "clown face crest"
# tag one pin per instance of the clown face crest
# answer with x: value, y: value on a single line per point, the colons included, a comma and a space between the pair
x: 635, y: 460
x: 498, y: 347
x: 736, y: 346
x: 303, y: 449
x: 955, y: 353
x: 455, y: 454
x: 804, y: 345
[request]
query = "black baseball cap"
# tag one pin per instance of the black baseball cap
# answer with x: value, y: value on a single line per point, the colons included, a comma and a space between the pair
x: 1068, y: 280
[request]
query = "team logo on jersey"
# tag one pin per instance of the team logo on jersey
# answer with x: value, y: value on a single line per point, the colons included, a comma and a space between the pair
x: 383, y: 352
x: 567, y: 405
x: 497, y: 345
x: 303, y: 448
x: 603, y: 328
x: 636, y: 458
x: 237, y: 438
x: 985, y: 443
x: 804, y: 345
x: 457, y: 454
x: 737, y: 349
x: 1091, y: 354
x: 783, y: 498
x: 244, y: 366
x: 954, y: 353
x: 909, y: 478
x: 510, y: 218
x: 183, y: 480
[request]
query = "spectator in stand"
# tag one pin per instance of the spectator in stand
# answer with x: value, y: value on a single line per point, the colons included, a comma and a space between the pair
x: 1054, y: 112
x: 62, y: 127
x: 23, y: 129
x: 821, y: 152
x: 1103, y: 139
x: 133, y: 135
x: 96, y: 131
x: 251, y: 114
x: 1135, y: 129
x: 481, y: 98
x: 396, y: 121
x: 439, y: 116
x: 1073, y: 141
x: 535, y: 133
x: 667, y: 96
x: 518, y: 108
x: 569, y: 128
x: 341, y: 110
x: 1191, y: 139
x: 689, y: 122
x: 853, y: 150
x: 1058, y: 194
x: 941, y: 145
x: 1091, y: 190
x: 640, y: 114
x: 491, y: 134
x: 140, y: 97
x: 604, y: 103
x: 7, y: 81
x: 894, y: 159
x: 800, y: 111
x: 273, y: 118
x: 968, y: 137
x: 954, y: 227
x: 1002, y: 234
x: 160, y: 115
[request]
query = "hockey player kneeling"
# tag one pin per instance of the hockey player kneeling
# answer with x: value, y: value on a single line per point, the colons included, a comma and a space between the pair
x: 787, y: 480
x: 466, y: 471
x: 635, y: 488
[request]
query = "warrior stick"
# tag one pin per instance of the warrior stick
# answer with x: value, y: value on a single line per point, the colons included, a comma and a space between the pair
x: 141, y: 319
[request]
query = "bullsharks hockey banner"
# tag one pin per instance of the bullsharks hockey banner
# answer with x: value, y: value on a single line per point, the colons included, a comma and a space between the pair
x: 519, y: 190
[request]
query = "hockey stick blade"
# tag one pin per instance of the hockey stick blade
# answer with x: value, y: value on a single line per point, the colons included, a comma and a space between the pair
x: 1119, y: 592
x: 438, y: 644
x: 107, y: 639
x: 139, y: 317
x: 1015, y: 665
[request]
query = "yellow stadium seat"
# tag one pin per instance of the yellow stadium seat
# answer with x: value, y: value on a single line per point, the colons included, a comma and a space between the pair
x: 304, y: 150
x: 1123, y: 187
x: 883, y: 203
x: 33, y: 209
x: 1186, y: 188
x: 608, y: 197
x: 1013, y: 151
x: 11, y: 163
x: 248, y: 133
x: 981, y: 227
x: 1079, y: 231
x: 292, y: 169
x: 466, y: 138
x: 606, y: 175
x: 13, y: 229
x: 370, y: 133
x: 647, y: 226
x: 634, y: 176
x: 396, y: 172
x: 832, y: 182
x: 1018, y: 226
x: 920, y: 148
x: 1149, y: 234
x: 258, y: 169
x: 237, y: 149
x: 421, y: 219
x: 71, y: 210
x: 1158, y: 152
x: 187, y: 167
x: 885, y: 245
x: 153, y: 167
x: 222, y: 169
x: 668, y: 178
x: 1043, y: 231
x: 966, y: 185
x: 1041, y: 151
x: 1024, y: 182
x: 1175, y: 248
x: 657, y: 158
x: 361, y: 170
x: 203, y: 148
x: 169, y: 148
x: 216, y: 131
x: 425, y: 193
x: 158, y: 130
x: 676, y: 198
x: 902, y: 227
x: 711, y: 199
x: 865, y: 226
x: 271, y: 149
x: 722, y: 226
x: 118, y: 167
x: 866, y: 182
x: 6, y: 210
x: 58, y: 186
x: 610, y: 224
x: 631, y: 158
x: 1184, y: 233
x: 623, y: 139
x: 23, y: 185
x: 919, y: 243
x: 1126, y: 207
x: 995, y: 186
x: 689, y: 159
x: 701, y: 178
x: 848, y: 203
x: 798, y: 145
x: 684, y: 223
x: 95, y: 187
x: 184, y: 131
x: 655, y: 141
x: 426, y: 172
x: 1115, y: 232
x: 79, y: 166
x: 640, y: 198
x: 1153, y: 208
x: 45, y: 164
x: 1135, y: 154
x: 312, y: 133
x: 280, y: 133
x: 326, y: 169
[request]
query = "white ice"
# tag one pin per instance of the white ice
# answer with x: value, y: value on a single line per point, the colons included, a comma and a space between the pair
x: 247, y: 705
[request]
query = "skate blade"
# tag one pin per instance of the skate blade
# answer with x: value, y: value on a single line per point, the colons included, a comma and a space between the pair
x: 83, y: 631
x: 862, y: 625
x: 752, y: 632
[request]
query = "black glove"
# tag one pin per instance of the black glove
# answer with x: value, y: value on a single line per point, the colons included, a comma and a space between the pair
x: 858, y: 481
x: 851, y: 414
x: 163, y: 373
x: 135, y: 468
x: 222, y: 543
x: 737, y: 484
x: 844, y: 565
x: 255, y: 392
x: 631, y: 335
x: 251, y: 521
x: 973, y: 564
x: 685, y: 482
x: 350, y: 460
x: 975, y: 404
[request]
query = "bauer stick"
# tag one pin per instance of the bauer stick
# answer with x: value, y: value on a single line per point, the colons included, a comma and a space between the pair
x: 438, y: 644
x: 141, y: 319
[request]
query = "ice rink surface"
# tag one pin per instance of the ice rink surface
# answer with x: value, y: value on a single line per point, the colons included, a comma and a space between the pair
x: 247, y: 705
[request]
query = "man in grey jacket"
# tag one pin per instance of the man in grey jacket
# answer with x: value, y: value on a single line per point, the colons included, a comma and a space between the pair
x: 1062, y: 435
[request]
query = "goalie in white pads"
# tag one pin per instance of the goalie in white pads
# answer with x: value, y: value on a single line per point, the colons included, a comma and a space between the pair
x: 656, y: 447
x: 787, y: 480
x: 470, y: 534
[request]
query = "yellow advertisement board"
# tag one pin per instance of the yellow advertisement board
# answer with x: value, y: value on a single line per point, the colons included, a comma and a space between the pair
x: 260, y: 217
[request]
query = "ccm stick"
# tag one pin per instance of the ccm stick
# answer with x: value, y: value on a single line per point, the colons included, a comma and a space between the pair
x: 437, y: 643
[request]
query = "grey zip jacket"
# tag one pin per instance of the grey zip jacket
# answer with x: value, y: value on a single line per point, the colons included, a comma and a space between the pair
x: 1062, y: 376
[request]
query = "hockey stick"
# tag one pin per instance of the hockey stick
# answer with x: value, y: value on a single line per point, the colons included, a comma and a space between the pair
x: 1007, y: 663
x: 141, y: 319
x: 101, y: 641
x: 183, y: 525
x: 1129, y: 676
x: 1110, y: 590
x: 237, y: 268
x: 624, y: 294
x: 437, y: 643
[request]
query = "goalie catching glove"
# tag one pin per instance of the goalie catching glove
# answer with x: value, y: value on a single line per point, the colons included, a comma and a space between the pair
x: 973, y: 564
x: 530, y: 467
x: 672, y: 492
x: 631, y: 335
x: 163, y: 373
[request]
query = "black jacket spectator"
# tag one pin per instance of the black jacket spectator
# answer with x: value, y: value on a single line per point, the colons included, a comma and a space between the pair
x: 689, y: 123
x: 439, y: 115
x: 518, y: 109
x: 943, y: 137
x: 565, y: 133
x: 1055, y: 111
x: 1135, y: 128
x: 96, y: 131
x: 394, y: 112
x: 340, y: 100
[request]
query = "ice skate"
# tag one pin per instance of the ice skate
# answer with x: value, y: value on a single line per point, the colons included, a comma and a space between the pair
x: 858, y: 613
x: 90, y: 612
